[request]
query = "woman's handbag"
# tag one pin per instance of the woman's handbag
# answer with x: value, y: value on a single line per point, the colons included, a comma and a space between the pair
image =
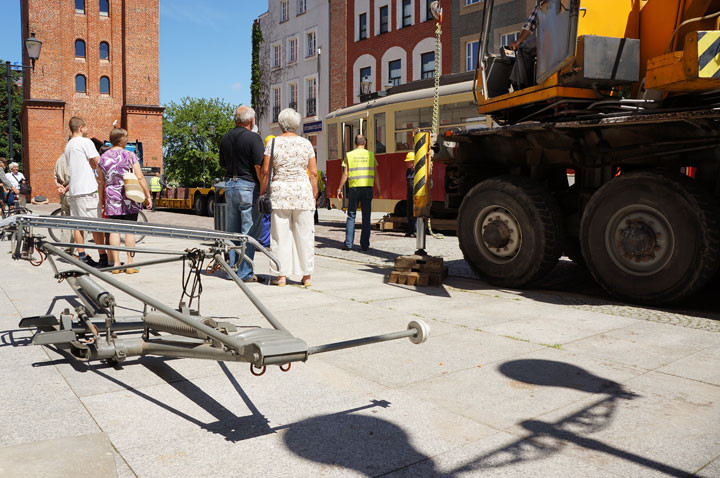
x: 264, y: 204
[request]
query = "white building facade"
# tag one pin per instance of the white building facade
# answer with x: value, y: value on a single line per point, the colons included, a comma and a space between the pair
x: 294, y: 60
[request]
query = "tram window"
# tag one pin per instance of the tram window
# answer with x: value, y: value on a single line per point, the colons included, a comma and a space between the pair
x: 404, y: 141
x: 333, y: 142
x: 414, y: 118
x: 457, y: 113
x: 380, y: 138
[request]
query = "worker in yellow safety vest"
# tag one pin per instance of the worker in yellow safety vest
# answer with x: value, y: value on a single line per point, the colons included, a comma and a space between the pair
x: 155, y: 188
x: 360, y: 171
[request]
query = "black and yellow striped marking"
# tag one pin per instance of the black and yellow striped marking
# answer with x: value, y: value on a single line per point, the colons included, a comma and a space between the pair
x: 708, y: 54
x: 421, y: 189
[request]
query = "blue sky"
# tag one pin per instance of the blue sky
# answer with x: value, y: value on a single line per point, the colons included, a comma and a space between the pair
x: 204, y: 46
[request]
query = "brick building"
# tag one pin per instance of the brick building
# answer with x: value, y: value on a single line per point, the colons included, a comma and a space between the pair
x: 99, y: 61
x: 391, y: 42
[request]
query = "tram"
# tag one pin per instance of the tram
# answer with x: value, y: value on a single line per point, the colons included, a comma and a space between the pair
x: 388, y: 122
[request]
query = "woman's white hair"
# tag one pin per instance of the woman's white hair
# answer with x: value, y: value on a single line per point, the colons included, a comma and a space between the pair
x: 13, y: 165
x: 289, y: 120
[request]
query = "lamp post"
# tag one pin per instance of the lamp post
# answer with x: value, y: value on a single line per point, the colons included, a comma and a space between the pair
x: 211, y: 130
x: 33, y: 46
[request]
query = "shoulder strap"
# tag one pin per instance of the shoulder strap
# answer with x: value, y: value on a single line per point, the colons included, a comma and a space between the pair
x: 272, y: 156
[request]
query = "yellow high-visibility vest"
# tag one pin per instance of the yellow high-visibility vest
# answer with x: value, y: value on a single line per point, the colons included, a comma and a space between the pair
x: 155, y: 185
x: 361, y: 168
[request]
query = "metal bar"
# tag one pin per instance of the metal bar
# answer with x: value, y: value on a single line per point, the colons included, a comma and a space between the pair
x: 185, y: 319
x: 127, y: 227
x: 75, y: 245
x: 139, y: 347
x: 364, y: 341
x: 143, y: 264
x: 256, y: 302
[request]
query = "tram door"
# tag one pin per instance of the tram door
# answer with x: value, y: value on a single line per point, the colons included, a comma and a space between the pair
x: 350, y: 130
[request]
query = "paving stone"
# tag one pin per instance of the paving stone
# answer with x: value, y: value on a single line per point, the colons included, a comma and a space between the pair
x: 66, y: 457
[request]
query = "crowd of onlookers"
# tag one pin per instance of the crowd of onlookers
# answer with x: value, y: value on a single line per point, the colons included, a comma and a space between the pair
x: 278, y: 177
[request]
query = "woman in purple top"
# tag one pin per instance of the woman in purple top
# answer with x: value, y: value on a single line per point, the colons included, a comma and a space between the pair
x: 112, y: 165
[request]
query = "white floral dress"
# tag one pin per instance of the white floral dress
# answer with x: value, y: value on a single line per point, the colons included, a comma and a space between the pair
x: 290, y: 188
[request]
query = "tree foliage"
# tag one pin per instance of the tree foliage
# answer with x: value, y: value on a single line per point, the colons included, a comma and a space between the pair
x: 183, y: 150
x: 17, y: 101
x: 256, y: 84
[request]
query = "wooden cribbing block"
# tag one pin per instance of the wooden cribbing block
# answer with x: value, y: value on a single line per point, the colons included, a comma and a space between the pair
x: 418, y: 270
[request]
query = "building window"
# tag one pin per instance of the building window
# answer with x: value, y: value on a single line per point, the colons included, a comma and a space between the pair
x: 79, y: 49
x: 362, y: 26
x: 292, y: 50
x: 80, y: 6
x: 292, y: 94
x: 80, y: 86
x: 301, y: 6
x: 508, y: 38
x: 310, y: 44
x: 276, y: 52
x: 428, y: 10
x: 427, y: 62
x: 104, y: 50
x: 471, y: 55
x: 394, y: 72
x: 104, y: 85
x: 471, y: 2
x: 104, y: 8
x: 384, y: 19
x: 311, y: 89
x: 406, y: 13
x: 284, y: 11
x: 276, y: 104
x: 365, y: 80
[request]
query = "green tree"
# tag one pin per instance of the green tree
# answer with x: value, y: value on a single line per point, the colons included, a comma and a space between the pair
x: 183, y: 150
x: 17, y: 101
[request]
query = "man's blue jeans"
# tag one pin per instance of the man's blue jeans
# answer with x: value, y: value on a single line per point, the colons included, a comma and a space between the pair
x: 363, y: 196
x: 241, y: 215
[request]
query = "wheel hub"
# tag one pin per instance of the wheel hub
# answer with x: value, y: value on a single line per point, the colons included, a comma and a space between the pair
x: 499, y: 233
x: 639, y: 240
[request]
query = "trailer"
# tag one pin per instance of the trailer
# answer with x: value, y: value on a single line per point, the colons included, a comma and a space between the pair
x: 200, y: 200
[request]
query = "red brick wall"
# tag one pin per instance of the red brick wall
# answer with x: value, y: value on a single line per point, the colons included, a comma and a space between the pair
x: 406, y: 38
x: 338, y: 53
x: 44, y: 119
x: 132, y: 32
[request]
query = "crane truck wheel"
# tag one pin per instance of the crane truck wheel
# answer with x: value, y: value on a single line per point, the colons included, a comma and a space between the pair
x: 510, y: 231
x: 651, y: 237
x: 199, y: 204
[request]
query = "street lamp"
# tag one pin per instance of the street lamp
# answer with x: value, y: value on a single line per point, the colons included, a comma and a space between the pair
x: 32, y: 46
x: 211, y: 130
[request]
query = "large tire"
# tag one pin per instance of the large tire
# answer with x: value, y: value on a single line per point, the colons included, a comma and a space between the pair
x: 211, y: 205
x: 651, y: 237
x: 510, y: 231
x: 200, y: 204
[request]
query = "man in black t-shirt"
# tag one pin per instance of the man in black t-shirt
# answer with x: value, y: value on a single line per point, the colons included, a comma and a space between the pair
x: 241, y: 154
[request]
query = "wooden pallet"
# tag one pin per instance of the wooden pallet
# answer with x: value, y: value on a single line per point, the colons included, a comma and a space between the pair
x: 418, y: 270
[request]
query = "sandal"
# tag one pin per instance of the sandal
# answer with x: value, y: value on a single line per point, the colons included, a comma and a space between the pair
x: 306, y: 282
x: 131, y: 270
x: 279, y: 282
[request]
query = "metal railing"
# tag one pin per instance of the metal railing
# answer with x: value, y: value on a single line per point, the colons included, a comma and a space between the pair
x: 311, y: 107
x: 275, y: 113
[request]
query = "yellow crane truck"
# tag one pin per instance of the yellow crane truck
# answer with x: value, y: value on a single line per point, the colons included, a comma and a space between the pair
x: 627, y: 96
x: 198, y: 199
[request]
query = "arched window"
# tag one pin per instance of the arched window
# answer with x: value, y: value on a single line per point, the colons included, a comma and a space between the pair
x: 104, y: 8
x: 79, y: 6
x: 104, y: 85
x: 79, y: 49
x: 104, y: 50
x: 80, y: 84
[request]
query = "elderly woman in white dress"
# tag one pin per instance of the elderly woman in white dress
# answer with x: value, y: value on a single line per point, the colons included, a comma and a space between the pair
x: 292, y: 192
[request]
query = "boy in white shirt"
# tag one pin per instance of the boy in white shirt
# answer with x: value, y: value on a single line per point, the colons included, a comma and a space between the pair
x: 82, y: 191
